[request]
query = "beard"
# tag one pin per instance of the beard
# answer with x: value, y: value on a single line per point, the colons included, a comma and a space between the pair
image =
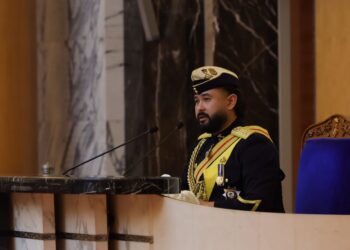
x: 214, y: 124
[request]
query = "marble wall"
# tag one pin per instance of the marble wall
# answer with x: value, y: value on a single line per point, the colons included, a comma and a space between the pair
x: 158, y: 90
x: 80, y: 84
x: 246, y: 35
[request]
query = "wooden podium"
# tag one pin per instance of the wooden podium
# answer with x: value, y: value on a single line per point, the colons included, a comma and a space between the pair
x: 130, y: 214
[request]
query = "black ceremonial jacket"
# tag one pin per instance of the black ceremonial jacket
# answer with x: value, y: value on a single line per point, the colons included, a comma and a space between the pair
x: 252, y: 174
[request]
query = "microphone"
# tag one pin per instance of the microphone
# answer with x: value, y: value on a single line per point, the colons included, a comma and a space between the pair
x: 149, y: 131
x: 178, y: 126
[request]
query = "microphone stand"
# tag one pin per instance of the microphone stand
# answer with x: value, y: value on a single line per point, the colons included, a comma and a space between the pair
x: 149, y: 131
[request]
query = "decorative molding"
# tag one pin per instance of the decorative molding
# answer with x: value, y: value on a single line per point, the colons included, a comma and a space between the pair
x: 27, y: 235
x: 82, y: 237
x: 132, y: 237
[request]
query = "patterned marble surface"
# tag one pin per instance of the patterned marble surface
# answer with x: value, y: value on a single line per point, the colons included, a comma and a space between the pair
x: 33, y: 222
x: 93, y: 185
x: 33, y: 212
x: 32, y: 244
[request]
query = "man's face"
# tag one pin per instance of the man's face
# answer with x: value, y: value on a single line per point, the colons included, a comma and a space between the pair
x: 211, y: 108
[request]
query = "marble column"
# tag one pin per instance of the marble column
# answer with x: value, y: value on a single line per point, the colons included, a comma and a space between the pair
x: 80, y: 84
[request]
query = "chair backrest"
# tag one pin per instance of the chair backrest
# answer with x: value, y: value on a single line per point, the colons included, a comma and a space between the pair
x: 336, y: 126
x: 324, y: 168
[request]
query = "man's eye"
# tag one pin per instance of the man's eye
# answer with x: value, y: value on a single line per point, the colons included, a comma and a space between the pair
x: 207, y: 99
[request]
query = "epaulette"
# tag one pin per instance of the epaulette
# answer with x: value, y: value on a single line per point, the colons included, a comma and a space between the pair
x: 204, y: 136
x: 246, y: 131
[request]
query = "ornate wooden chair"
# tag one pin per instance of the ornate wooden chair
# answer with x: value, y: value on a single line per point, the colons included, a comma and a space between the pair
x: 323, y: 184
x: 336, y: 126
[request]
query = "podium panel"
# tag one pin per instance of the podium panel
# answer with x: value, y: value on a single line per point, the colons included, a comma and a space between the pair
x: 33, y: 221
x: 174, y: 224
x: 130, y: 214
x: 67, y: 213
x: 82, y: 221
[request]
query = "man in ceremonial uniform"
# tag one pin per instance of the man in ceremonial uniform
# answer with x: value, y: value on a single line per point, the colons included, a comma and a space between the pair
x: 233, y: 165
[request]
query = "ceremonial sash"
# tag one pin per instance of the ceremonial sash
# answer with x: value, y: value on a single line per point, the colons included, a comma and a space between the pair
x: 222, y: 151
x: 211, y: 173
x: 217, y: 151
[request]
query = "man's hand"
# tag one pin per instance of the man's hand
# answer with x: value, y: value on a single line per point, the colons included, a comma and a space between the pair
x: 206, y: 203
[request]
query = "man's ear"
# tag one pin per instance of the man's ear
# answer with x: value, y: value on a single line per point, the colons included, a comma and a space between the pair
x: 232, y: 101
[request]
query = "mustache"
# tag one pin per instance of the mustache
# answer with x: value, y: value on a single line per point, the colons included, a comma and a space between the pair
x: 203, y: 114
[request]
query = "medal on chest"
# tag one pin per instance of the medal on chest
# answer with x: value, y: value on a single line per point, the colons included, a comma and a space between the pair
x: 220, y: 179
